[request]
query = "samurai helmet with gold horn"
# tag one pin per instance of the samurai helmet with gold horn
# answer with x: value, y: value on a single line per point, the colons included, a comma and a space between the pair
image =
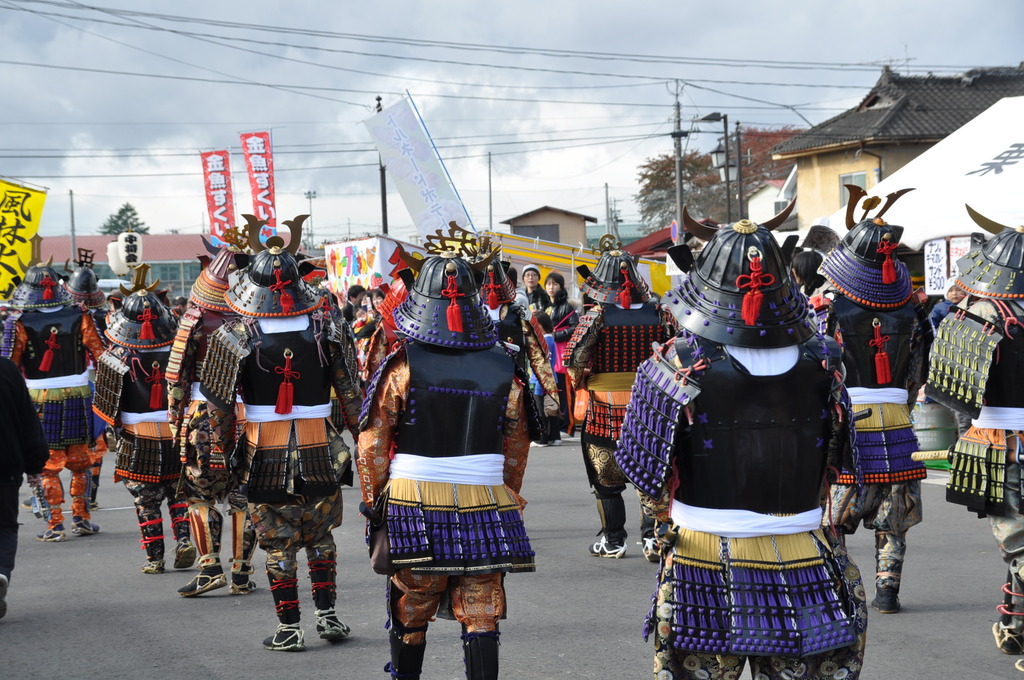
x: 142, y: 321
x: 443, y: 307
x: 615, y: 278
x: 271, y: 286
x: 739, y: 290
x: 41, y: 288
x: 864, y: 266
x: 995, y: 270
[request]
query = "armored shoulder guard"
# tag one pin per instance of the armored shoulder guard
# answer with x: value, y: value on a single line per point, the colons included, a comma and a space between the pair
x: 961, y: 357
x: 371, y: 386
x: 664, y: 385
x: 228, y: 346
x: 190, y: 321
x: 110, y: 371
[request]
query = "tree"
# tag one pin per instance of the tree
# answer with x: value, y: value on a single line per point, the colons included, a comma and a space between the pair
x: 124, y: 218
x: 703, y: 189
x: 702, y: 192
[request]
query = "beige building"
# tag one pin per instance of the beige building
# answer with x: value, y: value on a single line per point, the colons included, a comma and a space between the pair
x: 551, y: 224
x: 899, y: 119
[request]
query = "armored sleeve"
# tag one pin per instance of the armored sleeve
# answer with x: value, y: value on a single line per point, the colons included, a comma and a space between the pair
x: 181, y: 370
x: 377, y: 439
x: 91, y: 337
x: 345, y: 375
x: 536, y: 353
x: 920, y: 346
x: 517, y: 438
x: 577, y: 353
x: 15, y: 340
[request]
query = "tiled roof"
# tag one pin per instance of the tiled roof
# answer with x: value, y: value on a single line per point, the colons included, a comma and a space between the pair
x: 155, y: 247
x: 911, y: 108
x: 653, y: 245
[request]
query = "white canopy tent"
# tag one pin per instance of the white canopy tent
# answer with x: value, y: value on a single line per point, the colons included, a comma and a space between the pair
x: 981, y: 164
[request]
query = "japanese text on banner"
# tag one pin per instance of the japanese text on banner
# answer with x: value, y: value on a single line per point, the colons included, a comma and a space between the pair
x: 20, y: 211
x: 220, y: 202
x: 259, y: 162
x: 416, y: 170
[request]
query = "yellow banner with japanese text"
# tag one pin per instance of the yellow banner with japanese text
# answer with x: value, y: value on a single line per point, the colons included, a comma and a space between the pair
x: 20, y: 211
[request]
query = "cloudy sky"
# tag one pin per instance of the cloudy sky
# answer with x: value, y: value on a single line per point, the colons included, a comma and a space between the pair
x: 114, y: 101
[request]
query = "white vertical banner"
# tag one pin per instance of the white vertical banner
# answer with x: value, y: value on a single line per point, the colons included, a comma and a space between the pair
x: 416, y: 169
x: 959, y: 246
x: 935, y: 267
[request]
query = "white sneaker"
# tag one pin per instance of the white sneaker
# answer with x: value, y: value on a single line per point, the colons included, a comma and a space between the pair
x: 650, y: 547
x: 557, y: 442
x: 4, y: 582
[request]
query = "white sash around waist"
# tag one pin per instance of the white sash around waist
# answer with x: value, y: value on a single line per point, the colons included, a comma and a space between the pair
x: 485, y: 469
x: 79, y: 380
x: 265, y: 414
x: 1000, y: 418
x: 742, y: 523
x: 128, y: 418
x: 881, y: 395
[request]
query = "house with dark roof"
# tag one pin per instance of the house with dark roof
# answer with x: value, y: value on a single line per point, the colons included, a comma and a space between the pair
x: 899, y: 119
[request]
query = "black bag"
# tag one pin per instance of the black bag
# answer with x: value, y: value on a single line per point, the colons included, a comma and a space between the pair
x: 377, y: 541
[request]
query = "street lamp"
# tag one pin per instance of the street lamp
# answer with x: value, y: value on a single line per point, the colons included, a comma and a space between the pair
x: 720, y: 157
x: 310, y: 195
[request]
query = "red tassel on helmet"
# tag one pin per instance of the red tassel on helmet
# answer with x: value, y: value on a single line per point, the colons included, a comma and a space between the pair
x: 156, y: 388
x: 286, y: 390
x: 48, y: 285
x: 887, y: 248
x: 625, y: 295
x: 287, y: 301
x: 492, y: 292
x: 754, y: 297
x: 451, y: 291
x: 883, y: 371
x: 51, y: 344
x: 147, y: 317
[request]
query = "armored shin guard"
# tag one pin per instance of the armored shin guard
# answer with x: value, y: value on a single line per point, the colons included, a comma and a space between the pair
x: 889, y: 550
x: 185, y: 553
x: 286, y: 599
x: 153, y: 543
x: 322, y: 575
x: 1009, y: 629
x: 243, y: 545
x: 481, y: 651
x: 612, y: 510
x: 406, y: 660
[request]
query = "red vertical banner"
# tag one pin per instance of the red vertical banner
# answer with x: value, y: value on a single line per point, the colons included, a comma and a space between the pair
x: 259, y: 161
x: 220, y: 202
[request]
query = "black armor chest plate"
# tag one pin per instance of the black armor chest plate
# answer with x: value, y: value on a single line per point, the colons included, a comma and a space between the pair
x: 64, y: 331
x: 757, y: 443
x: 457, y: 401
x: 263, y: 370
x: 1005, y: 387
x: 624, y: 341
x: 510, y: 329
x: 146, y: 372
x: 856, y: 326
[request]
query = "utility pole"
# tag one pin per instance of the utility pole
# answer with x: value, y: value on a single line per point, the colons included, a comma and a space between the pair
x: 677, y: 135
x: 74, y: 245
x: 607, y: 210
x: 739, y: 174
x: 311, y: 195
x: 490, y: 196
x: 383, y: 186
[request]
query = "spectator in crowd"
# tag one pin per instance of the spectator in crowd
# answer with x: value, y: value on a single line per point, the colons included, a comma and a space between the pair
x: 355, y: 296
x: 538, y: 299
x: 954, y: 295
x: 564, y: 319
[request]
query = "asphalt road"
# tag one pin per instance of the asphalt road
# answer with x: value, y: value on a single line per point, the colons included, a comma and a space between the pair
x: 82, y: 609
